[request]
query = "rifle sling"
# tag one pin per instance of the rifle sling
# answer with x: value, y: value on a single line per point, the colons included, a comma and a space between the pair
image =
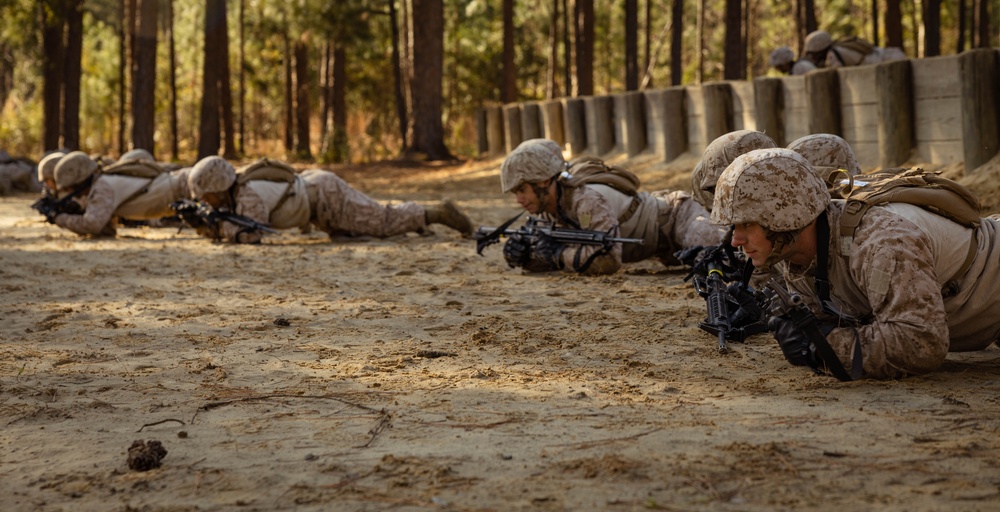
x: 822, y: 283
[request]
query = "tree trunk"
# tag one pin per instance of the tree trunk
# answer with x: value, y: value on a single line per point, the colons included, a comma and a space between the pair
x: 508, y: 94
x: 552, y: 73
x: 302, y: 103
x: 71, y: 88
x: 338, y: 97
x: 122, y: 66
x: 131, y: 25
x: 144, y: 87
x: 584, y: 14
x: 631, y: 45
x: 174, y: 142
x: 734, y: 40
x: 325, y: 81
x: 53, y: 20
x: 701, y: 41
x: 289, y: 102
x: 567, y: 50
x: 983, y: 41
x: 428, y: 65
x: 676, y: 43
x: 875, y: 21
x: 397, y: 75
x: 243, y: 92
x: 962, y: 26
x: 932, y: 28
x: 809, y: 10
x: 800, y: 28
x: 209, y: 137
x: 893, y: 24
x: 226, y: 97
x: 648, y: 43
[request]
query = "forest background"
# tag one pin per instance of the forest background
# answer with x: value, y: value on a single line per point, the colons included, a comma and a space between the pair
x: 365, y: 80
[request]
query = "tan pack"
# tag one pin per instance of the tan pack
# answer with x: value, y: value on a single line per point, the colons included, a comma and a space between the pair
x: 134, y: 168
x: 590, y: 170
x: 916, y: 186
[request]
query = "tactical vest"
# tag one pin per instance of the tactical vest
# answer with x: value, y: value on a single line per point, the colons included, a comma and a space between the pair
x: 283, y: 191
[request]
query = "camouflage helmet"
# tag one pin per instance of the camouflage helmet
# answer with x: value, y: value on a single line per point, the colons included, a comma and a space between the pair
x: 775, y: 188
x: 817, y: 41
x: 781, y: 56
x: 827, y: 153
x: 718, y: 155
x: 47, y: 167
x: 533, y: 160
x: 74, y: 169
x: 211, y: 174
x: 137, y: 154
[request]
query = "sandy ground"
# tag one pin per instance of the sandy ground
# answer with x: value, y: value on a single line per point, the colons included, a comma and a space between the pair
x: 411, y: 374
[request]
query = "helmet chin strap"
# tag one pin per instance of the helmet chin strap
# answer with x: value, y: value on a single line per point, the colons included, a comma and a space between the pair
x: 779, y: 240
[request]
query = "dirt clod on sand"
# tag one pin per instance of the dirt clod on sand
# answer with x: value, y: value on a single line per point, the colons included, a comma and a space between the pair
x: 143, y: 456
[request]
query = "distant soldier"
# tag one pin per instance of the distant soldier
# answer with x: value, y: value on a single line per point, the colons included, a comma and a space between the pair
x: 272, y: 193
x: 542, y: 181
x: 47, y: 171
x: 17, y: 174
x: 131, y: 190
x: 783, y: 59
x: 830, y: 156
x: 824, y: 52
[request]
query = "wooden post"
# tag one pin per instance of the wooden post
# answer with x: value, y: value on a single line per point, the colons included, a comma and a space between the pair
x: 482, y: 132
x: 823, y: 92
x: 718, y: 98
x: 552, y: 121
x: 630, y: 122
x: 531, y: 121
x: 494, y: 128
x: 894, y: 85
x: 666, y: 122
x: 512, y: 126
x: 600, y: 128
x: 980, y: 106
x: 574, y: 125
x: 770, y: 104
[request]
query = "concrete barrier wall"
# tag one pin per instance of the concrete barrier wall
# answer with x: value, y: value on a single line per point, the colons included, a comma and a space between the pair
x: 938, y: 110
x: 859, y: 113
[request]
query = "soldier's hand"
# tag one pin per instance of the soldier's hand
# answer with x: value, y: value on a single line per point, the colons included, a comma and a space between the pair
x: 747, y: 311
x: 516, y: 251
x: 546, y: 254
x: 793, y: 341
x: 690, y: 255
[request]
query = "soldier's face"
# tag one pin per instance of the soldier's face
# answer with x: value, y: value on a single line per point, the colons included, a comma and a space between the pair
x: 534, y: 197
x: 752, y: 238
x: 212, y: 199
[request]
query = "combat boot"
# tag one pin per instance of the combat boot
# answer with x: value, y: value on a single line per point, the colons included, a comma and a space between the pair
x: 448, y: 214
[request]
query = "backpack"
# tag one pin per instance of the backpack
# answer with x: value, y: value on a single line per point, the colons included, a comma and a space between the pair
x: 593, y: 171
x: 918, y: 187
x: 854, y: 44
x: 291, y: 208
x: 134, y: 168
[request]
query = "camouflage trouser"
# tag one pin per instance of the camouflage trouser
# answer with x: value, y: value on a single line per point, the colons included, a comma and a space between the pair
x: 683, y: 224
x: 339, y: 209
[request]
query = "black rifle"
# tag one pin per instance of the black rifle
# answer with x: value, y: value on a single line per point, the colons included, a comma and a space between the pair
x: 486, y: 236
x: 198, y: 214
x: 789, y: 305
x: 50, y: 207
x: 735, y: 312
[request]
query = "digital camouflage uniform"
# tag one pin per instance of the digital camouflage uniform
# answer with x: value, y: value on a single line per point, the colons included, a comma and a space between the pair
x: 333, y: 206
x: 667, y: 221
x: 125, y: 197
x: 840, y: 56
x: 889, y: 278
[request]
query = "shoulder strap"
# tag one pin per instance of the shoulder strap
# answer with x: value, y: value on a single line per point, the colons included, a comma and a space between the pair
x: 269, y: 170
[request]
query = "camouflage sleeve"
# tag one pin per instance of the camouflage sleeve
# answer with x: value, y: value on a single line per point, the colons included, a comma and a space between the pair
x: 893, y: 266
x: 248, y: 204
x: 97, y: 213
x: 691, y: 224
x: 590, y: 205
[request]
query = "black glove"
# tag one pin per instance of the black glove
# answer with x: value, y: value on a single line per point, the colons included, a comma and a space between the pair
x: 545, y: 254
x: 793, y: 341
x: 516, y: 251
x: 690, y: 255
x: 748, y: 310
